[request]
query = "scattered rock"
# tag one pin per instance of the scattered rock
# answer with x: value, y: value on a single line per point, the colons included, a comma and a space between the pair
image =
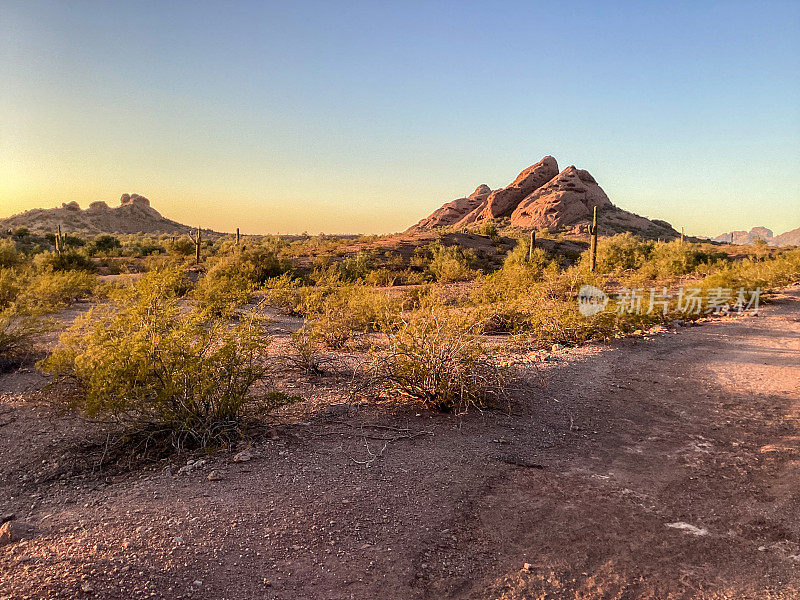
x: 215, y: 476
x: 557, y: 347
x: 527, y: 567
x: 242, y: 456
x: 688, y: 528
x: 15, y: 531
x: 192, y: 465
x: 7, y: 517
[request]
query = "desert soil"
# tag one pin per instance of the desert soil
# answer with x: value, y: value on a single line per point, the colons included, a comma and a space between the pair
x: 663, y: 466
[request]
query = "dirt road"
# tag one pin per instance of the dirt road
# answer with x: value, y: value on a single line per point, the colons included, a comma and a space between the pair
x: 650, y: 468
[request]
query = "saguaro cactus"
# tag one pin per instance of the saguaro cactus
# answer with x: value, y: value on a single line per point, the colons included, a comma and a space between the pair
x: 238, y: 239
x: 197, y: 241
x: 593, y: 241
x: 532, y: 246
x: 682, y: 236
x: 59, y: 241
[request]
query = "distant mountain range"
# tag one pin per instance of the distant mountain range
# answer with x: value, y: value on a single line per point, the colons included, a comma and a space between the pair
x: 790, y: 238
x: 133, y: 215
x: 541, y: 197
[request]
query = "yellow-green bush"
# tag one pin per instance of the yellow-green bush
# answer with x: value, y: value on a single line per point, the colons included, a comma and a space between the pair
x: 9, y: 255
x: 147, y: 364
x: 450, y: 263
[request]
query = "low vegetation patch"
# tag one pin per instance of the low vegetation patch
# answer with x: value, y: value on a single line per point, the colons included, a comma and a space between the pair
x: 181, y: 377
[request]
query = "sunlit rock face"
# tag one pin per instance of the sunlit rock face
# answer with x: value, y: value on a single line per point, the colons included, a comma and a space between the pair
x: 542, y: 198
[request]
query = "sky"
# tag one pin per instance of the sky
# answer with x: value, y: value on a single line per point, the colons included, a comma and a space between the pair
x: 364, y: 117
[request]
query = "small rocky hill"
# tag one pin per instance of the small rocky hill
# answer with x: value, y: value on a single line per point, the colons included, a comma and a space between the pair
x: 541, y: 197
x: 133, y: 215
x: 790, y: 238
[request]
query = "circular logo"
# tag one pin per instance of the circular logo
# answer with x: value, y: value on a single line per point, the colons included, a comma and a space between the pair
x: 591, y: 300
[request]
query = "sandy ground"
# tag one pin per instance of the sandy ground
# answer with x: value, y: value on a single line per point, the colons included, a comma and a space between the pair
x: 658, y: 467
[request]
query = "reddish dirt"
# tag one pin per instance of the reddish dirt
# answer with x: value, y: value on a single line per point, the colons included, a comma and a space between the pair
x: 571, y: 496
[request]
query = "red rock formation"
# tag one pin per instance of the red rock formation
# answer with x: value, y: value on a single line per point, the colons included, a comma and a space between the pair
x: 453, y: 212
x: 501, y: 203
x: 566, y: 200
x: 542, y: 198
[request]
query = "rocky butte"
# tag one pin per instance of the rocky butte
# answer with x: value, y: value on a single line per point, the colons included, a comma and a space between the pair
x: 133, y: 215
x: 541, y: 197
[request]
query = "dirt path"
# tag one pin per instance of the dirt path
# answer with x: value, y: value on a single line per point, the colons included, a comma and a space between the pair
x: 652, y: 468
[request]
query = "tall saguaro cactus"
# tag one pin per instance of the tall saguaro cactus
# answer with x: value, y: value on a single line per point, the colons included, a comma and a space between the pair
x: 532, y: 246
x: 593, y: 241
x: 59, y: 241
x: 197, y: 241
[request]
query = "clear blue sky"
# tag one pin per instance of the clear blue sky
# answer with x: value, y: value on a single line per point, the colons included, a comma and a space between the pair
x: 366, y: 116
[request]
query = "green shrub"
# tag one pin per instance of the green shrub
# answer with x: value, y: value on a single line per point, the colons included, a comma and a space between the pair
x: 104, y: 244
x: 450, y: 263
x: 181, y: 246
x: 146, y: 364
x: 70, y: 260
x: 621, y: 252
x: 9, y: 255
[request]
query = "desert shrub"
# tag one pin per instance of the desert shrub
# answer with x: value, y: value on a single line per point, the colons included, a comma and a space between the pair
x: 222, y: 294
x: 343, y: 311
x: 286, y: 293
x: 147, y: 365
x: 307, y: 348
x: 751, y: 273
x: 357, y: 267
x: 621, y: 252
x: 438, y: 359
x: 21, y: 232
x: 181, y: 246
x: 11, y: 283
x: 382, y: 278
x: 17, y: 335
x: 104, y: 244
x: 674, y: 258
x: 70, y: 260
x: 39, y: 293
x: 488, y: 229
x: 9, y: 255
x: 450, y: 263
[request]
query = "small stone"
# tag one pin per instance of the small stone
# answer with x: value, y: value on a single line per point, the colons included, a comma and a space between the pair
x: 86, y: 588
x: 197, y: 582
x: 178, y: 540
x: 7, y: 517
x: 168, y: 471
x: 557, y: 347
x: 527, y: 567
x: 15, y: 531
x: 215, y: 476
x: 242, y: 456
